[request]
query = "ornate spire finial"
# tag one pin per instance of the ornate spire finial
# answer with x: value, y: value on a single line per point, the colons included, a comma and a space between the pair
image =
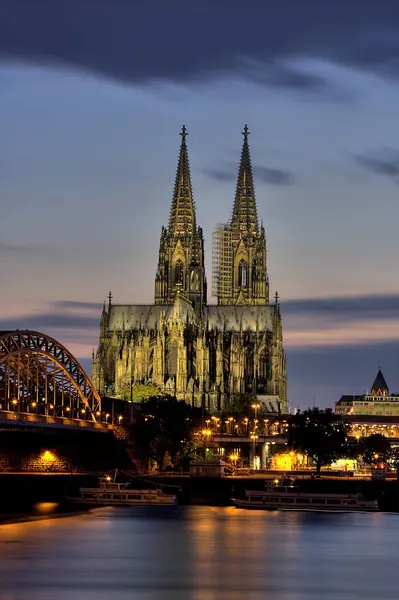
x: 109, y: 299
x: 183, y: 133
x: 276, y: 297
x: 246, y: 132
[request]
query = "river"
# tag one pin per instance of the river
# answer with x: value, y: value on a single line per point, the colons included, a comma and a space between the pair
x: 201, y: 553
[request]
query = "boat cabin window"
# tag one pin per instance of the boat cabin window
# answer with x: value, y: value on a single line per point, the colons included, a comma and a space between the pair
x: 303, y: 500
x: 333, y: 501
x: 318, y: 501
x: 351, y: 502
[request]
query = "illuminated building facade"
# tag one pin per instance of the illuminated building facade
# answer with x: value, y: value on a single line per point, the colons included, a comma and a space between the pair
x: 201, y: 353
x: 379, y: 402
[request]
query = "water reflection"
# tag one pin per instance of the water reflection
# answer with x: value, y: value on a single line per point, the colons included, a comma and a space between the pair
x: 200, y: 553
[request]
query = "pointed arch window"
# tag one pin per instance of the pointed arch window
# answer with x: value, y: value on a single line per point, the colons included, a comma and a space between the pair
x: 194, y: 281
x: 254, y: 265
x: 172, y: 359
x: 178, y: 272
x: 243, y: 274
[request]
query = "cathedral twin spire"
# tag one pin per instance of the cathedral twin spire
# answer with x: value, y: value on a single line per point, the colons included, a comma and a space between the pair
x: 181, y: 266
x: 182, y: 214
x: 245, y: 218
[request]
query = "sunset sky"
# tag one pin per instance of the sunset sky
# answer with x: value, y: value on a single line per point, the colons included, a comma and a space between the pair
x: 93, y: 95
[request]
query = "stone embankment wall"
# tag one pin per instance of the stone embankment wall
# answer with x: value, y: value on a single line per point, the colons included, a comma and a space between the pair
x: 60, y: 451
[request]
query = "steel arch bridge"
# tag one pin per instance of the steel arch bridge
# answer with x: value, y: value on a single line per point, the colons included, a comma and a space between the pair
x: 39, y: 375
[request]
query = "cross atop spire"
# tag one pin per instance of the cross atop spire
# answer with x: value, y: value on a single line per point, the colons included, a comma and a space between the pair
x: 182, y: 214
x: 246, y: 132
x: 245, y: 218
x: 183, y: 133
x: 276, y: 297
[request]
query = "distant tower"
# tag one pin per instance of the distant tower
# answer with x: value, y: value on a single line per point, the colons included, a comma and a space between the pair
x: 181, y: 251
x: 379, y: 387
x: 239, y: 248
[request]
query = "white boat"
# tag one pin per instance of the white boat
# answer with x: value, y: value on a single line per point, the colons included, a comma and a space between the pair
x: 285, y: 496
x: 111, y: 493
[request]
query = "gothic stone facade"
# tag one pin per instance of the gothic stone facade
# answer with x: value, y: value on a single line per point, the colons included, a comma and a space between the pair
x: 201, y: 353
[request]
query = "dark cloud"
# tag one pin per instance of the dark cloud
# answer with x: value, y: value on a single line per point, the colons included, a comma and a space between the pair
x: 261, y: 173
x: 350, y: 308
x: 32, y: 250
x: 149, y: 40
x: 61, y: 315
x: 20, y: 248
x: 68, y: 304
x: 274, y: 176
x: 280, y: 74
x: 384, y: 162
x: 45, y: 321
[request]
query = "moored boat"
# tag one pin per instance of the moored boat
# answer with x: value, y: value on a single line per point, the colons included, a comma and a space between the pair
x: 111, y: 493
x: 285, y: 496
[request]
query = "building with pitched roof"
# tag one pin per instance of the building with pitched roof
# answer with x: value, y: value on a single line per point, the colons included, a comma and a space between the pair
x: 200, y: 352
x: 379, y: 403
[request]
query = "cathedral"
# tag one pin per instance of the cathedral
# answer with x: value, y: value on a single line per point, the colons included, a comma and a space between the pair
x: 202, y: 353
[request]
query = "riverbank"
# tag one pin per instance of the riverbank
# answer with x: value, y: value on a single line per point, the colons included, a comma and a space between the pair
x: 30, y: 518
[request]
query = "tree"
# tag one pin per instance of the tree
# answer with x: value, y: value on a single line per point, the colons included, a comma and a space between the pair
x: 375, y: 449
x: 240, y: 404
x: 138, y: 392
x: 163, y: 425
x: 320, y: 434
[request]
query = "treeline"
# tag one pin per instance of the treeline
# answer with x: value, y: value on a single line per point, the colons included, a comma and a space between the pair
x: 326, y: 437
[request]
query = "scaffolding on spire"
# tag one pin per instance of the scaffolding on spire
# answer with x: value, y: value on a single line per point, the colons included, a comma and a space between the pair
x: 222, y: 260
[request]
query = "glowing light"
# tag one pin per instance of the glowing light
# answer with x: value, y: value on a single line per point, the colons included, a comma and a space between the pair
x: 45, y: 507
x: 48, y: 456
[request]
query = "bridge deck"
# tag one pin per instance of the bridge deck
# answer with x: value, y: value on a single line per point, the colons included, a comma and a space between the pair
x: 19, y: 419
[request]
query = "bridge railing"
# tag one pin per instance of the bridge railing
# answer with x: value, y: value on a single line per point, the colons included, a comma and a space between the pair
x: 21, y: 418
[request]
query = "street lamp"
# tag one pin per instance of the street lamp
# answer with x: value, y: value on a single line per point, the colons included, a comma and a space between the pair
x: 255, y: 407
x: 254, y: 437
x: 234, y: 458
x: 206, y: 433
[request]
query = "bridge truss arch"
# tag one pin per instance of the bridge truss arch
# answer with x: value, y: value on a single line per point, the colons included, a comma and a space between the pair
x: 39, y: 375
